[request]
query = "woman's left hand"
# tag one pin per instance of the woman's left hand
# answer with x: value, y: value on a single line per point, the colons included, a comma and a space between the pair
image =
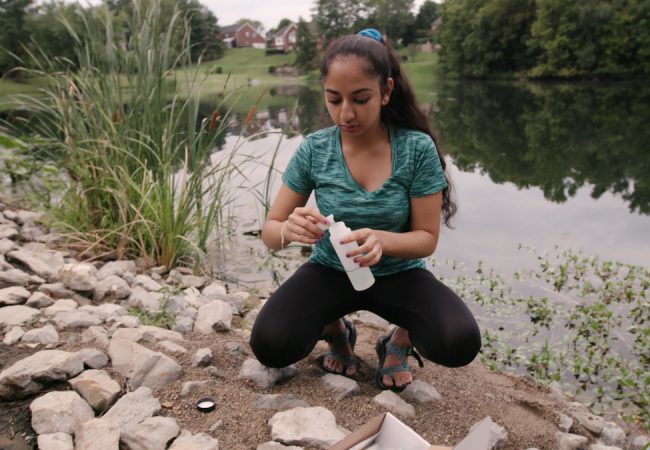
x: 370, y: 248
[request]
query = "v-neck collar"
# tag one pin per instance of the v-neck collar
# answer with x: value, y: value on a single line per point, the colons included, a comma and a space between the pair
x: 346, y: 169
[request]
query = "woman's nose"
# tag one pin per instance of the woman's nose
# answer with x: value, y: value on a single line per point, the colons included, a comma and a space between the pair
x: 347, y: 111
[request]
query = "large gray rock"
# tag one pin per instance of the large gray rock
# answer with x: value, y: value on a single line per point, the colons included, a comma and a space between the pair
x: 151, y: 302
x: 16, y: 277
x: 55, y: 441
x: 98, y: 434
x: 585, y: 418
x: 265, y: 377
x: 420, y: 392
x: 277, y: 446
x: 279, y: 402
x: 129, y: 334
x: 147, y: 283
x: 95, y: 335
x: 44, y: 335
x: 105, y: 311
x: 638, y: 442
x: 11, y: 316
x: 97, y: 388
x: 30, y: 374
x: 199, y: 441
x: 172, y: 348
x: 567, y: 441
x: 112, y: 287
x: 93, y: 358
x: 45, y: 264
x: 116, y: 268
x: 484, y: 435
x: 59, y: 306
x: 612, y: 434
x: 564, y: 422
x: 341, y: 386
x: 78, y: 276
x: 6, y: 245
x: 309, y: 427
x: 213, y: 316
x: 8, y: 232
x: 39, y: 300
x: 141, y: 366
x: 214, y: 290
x: 15, y: 295
x: 13, y: 336
x: 603, y: 447
x: 392, y: 402
x: 57, y: 290
x: 133, y: 408
x: 151, y: 333
x: 150, y: 434
x: 72, y: 320
x: 59, y: 411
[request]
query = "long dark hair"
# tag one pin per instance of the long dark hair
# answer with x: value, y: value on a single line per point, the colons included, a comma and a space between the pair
x: 402, y: 110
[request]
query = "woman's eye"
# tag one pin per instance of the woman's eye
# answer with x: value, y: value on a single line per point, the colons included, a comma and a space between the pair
x: 334, y: 101
x: 361, y: 101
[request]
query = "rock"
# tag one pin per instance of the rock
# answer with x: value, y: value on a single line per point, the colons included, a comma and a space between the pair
x: 202, y: 357
x: 96, y: 434
x: 57, y: 290
x: 97, y: 388
x: 214, y: 372
x: 183, y: 324
x: 585, y: 418
x: 564, y: 422
x: 8, y: 232
x: 133, y: 408
x: 392, y: 402
x: 236, y: 349
x: 198, y: 387
x: 216, y: 426
x: 95, y: 335
x: 45, y: 264
x: 147, y: 283
x: 129, y: 334
x: 71, y: 320
x: 151, y: 333
x: 340, y: 385
x: 141, y: 366
x: 484, y: 435
x: 59, y: 411
x: 199, y: 441
x: 277, y: 446
x: 420, y: 392
x: 145, y: 300
x: 612, y: 434
x: 55, y: 441
x: 264, y: 377
x: 15, y: 295
x: 6, y: 246
x: 14, y: 315
x: 59, y: 306
x: 79, y: 276
x: 16, y: 277
x: 638, y: 442
x: 30, y: 374
x: 603, y: 447
x: 213, y: 316
x: 123, y: 322
x: 310, y: 427
x: 113, y: 287
x: 279, y: 402
x: 567, y: 441
x: 23, y: 217
x: 176, y: 305
x: 216, y: 289
x: 39, y: 300
x: 13, y: 336
x: 173, y: 348
x: 116, y: 268
x: 93, y: 358
x: 150, y: 434
x: 106, y: 311
x: 45, y: 335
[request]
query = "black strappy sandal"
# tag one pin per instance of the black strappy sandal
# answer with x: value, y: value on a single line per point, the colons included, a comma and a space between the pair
x: 348, y: 337
x: 384, y: 347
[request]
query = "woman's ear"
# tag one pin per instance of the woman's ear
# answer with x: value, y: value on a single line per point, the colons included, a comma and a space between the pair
x: 385, y: 98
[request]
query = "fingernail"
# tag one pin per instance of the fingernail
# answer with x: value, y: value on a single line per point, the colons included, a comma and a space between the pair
x: 342, y: 242
x: 347, y: 255
x: 326, y: 222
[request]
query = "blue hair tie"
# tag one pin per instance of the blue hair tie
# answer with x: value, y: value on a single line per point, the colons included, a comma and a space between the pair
x: 371, y: 33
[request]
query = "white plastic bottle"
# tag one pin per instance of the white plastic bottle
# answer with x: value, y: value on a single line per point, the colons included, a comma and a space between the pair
x: 360, y: 277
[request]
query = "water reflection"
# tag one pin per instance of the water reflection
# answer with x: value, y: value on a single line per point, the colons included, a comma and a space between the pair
x: 556, y: 137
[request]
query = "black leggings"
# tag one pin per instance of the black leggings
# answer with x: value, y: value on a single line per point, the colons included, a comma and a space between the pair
x: 440, y: 325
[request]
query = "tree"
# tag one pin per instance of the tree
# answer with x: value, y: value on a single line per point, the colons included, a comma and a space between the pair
x: 392, y: 17
x: 335, y: 18
x: 305, y: 47
x: 255, y: 23
x: 204, y: 31
x: 12, y: 31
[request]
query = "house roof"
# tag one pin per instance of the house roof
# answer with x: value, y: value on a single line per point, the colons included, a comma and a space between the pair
x: 283, y: 31
x: 236, y: 27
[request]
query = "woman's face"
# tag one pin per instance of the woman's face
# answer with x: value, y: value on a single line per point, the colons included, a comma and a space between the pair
x: 353, y: 99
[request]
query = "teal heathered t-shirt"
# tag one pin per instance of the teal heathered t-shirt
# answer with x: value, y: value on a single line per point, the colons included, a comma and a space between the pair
x: 318, y: 164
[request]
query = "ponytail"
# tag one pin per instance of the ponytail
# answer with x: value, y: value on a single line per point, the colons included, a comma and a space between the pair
x: 402, y: 110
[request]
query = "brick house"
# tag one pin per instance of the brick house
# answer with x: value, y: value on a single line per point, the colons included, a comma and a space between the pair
x: 242, y: 35
x: 285, y: 38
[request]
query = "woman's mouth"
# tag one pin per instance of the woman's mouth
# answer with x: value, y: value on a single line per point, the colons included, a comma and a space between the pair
x: 348, y: 128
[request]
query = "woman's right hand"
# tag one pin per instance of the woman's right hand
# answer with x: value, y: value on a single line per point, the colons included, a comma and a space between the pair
x: 301, y: 226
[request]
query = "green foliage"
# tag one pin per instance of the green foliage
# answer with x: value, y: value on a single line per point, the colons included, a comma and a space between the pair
x: 335, y: 18
x: 305, y: 47
x: 545, y: 38
x: 135, y: 154
x: 393, y: 18
x: 12, y: 31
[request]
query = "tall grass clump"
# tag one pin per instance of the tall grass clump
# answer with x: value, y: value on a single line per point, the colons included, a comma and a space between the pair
x: 124, y: 126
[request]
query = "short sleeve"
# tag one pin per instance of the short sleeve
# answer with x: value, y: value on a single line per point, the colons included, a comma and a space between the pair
x: 297, y: 176
x: 428, y: 177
